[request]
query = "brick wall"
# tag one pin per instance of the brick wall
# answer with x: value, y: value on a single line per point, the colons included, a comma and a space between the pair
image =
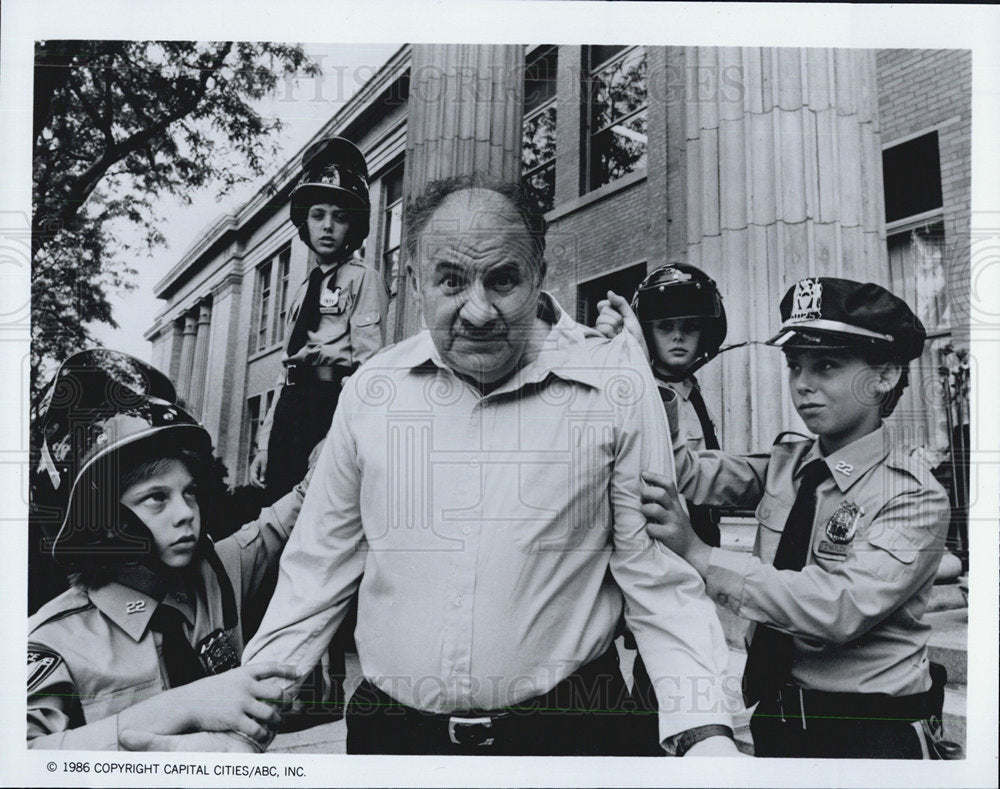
x: 922, y: 90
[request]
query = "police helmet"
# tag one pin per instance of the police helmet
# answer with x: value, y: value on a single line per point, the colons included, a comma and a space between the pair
x: 103, y: 411
x: 676, y: 291
x: 333, y: 170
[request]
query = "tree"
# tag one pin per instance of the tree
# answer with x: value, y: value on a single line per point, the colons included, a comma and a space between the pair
x: 116, y: 125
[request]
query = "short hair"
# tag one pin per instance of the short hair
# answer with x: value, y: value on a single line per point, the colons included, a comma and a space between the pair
x: 891, y: 398
x: 419, y: 210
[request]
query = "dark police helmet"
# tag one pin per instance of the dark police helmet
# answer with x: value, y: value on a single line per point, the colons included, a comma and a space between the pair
x: 103, y: 411
x: 334, y: 170
x: 676, y: 291
x: 827, y: 312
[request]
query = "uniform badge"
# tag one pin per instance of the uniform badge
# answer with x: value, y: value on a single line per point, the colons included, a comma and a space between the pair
x: 217, y: 652
x: 844, y: 523
x: 331, y: 175
x: 330, y: 299
x: 41, y: 664
x: 807, y: 300
x: 844, y: 468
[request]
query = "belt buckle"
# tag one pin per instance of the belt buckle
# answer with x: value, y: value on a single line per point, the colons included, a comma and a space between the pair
x: 787, y: 692
x: 457, y: 724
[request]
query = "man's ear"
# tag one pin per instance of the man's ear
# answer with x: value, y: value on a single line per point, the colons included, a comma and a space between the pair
x: 413, y: 283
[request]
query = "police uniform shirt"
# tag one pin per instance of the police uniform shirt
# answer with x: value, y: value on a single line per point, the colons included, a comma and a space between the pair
x: 855, y: 609
x: 687, y: 418
x: 351, y: 327
x: 91, y: 654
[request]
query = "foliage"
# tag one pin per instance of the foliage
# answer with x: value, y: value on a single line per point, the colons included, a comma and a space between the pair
x: 118, y: 124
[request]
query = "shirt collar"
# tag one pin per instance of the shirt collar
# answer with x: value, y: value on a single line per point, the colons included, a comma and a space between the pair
x: 682, y: 388
x: 848, y: 464
x: 565, y: 352
x: 129, y: 601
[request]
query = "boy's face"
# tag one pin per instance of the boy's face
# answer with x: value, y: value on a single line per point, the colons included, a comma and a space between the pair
x: 837, y: 393
x: 328, y: 225
x: 166, y: 503
x: 675, y: 344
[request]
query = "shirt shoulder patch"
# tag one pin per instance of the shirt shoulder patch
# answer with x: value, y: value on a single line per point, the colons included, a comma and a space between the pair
x: 41, y: 663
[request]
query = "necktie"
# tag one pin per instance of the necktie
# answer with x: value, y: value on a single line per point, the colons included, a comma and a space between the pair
x: 704, y: 520
x: 179, y: 657
x: 308, y: 319
x: 769, y: 659
x: 707, y: 427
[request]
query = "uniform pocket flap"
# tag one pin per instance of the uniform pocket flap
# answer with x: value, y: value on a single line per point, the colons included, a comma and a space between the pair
x: 904, y: 547
x: 772, y: 512
x: 365, y: 318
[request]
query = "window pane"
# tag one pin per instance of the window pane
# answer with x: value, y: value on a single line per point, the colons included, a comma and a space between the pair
x: 540, y: 80
x: 912, y: 173
x: 617, y: 115
x: 390, y: 270
x: 602, y: 52
x: 541, y: 187
x: 618, y: 150
x: 539, y: 138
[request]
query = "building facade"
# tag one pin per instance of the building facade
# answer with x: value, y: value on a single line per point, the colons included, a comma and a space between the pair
x: 759, y: 165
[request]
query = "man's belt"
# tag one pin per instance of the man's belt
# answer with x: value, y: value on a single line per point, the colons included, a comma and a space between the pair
x: 480, y: 728
x: 800, y: 706
x: 307, y: 374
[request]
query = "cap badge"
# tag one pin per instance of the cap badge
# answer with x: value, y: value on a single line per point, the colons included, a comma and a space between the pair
x: 844, y: 523
x: 331, y: 175
x: 807, y: 300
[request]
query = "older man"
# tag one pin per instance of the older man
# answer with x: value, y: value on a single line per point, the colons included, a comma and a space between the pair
x: 482, y: 475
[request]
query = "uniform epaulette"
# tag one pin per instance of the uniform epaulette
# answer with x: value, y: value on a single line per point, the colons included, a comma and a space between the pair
x: 781, y: 437
x: 913, y: 461
x: 70, y: 602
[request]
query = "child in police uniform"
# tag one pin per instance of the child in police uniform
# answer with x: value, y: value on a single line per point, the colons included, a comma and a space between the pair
x: 336, y: 319
x: 851, y: 531
x: 677, y: 316
x: 147, y: 641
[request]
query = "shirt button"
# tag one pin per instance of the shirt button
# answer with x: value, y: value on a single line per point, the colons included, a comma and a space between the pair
x: 458, y: 601
x: 466, y: 529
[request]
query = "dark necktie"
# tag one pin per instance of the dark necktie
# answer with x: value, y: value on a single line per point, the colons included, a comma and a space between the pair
x: 179, y: 657
x: 308, y: 319
x: 707, y: 427
x: 769, y: 658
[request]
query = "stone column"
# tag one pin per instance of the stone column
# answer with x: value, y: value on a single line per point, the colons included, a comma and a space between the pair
x: 187, y: 358
x: 464, y: 114
x: 198, y: 364
x: 782, y: 180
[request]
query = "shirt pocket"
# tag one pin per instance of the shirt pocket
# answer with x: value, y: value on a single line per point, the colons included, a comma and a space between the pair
x: 112, y: 701
x: 772, y: 512
x: 368, y: 318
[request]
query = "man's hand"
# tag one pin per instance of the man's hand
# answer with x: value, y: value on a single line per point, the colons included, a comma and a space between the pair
x: 615, y: 314
x: 667, y: 522
x: 243, y: 700
x: 258, y: 469
x: 202, y: 741
x: 714, y: 746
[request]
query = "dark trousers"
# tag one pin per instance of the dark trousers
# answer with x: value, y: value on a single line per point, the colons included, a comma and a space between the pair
x: 830, y: 738
x: 301, y: 420
x: 586, y: 714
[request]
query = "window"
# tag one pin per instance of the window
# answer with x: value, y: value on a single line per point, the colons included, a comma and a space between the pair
x: 392, y: 189
x: 253, y: 425
x: 263, y: 291
x: 912, y: 173
x: 918, y: 270
x: 616, y: 113
x: 281, y: 301
x: 623, y: 282
x: 538, y: 152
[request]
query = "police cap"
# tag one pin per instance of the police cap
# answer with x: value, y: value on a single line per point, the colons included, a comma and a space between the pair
x: 826, y: 312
